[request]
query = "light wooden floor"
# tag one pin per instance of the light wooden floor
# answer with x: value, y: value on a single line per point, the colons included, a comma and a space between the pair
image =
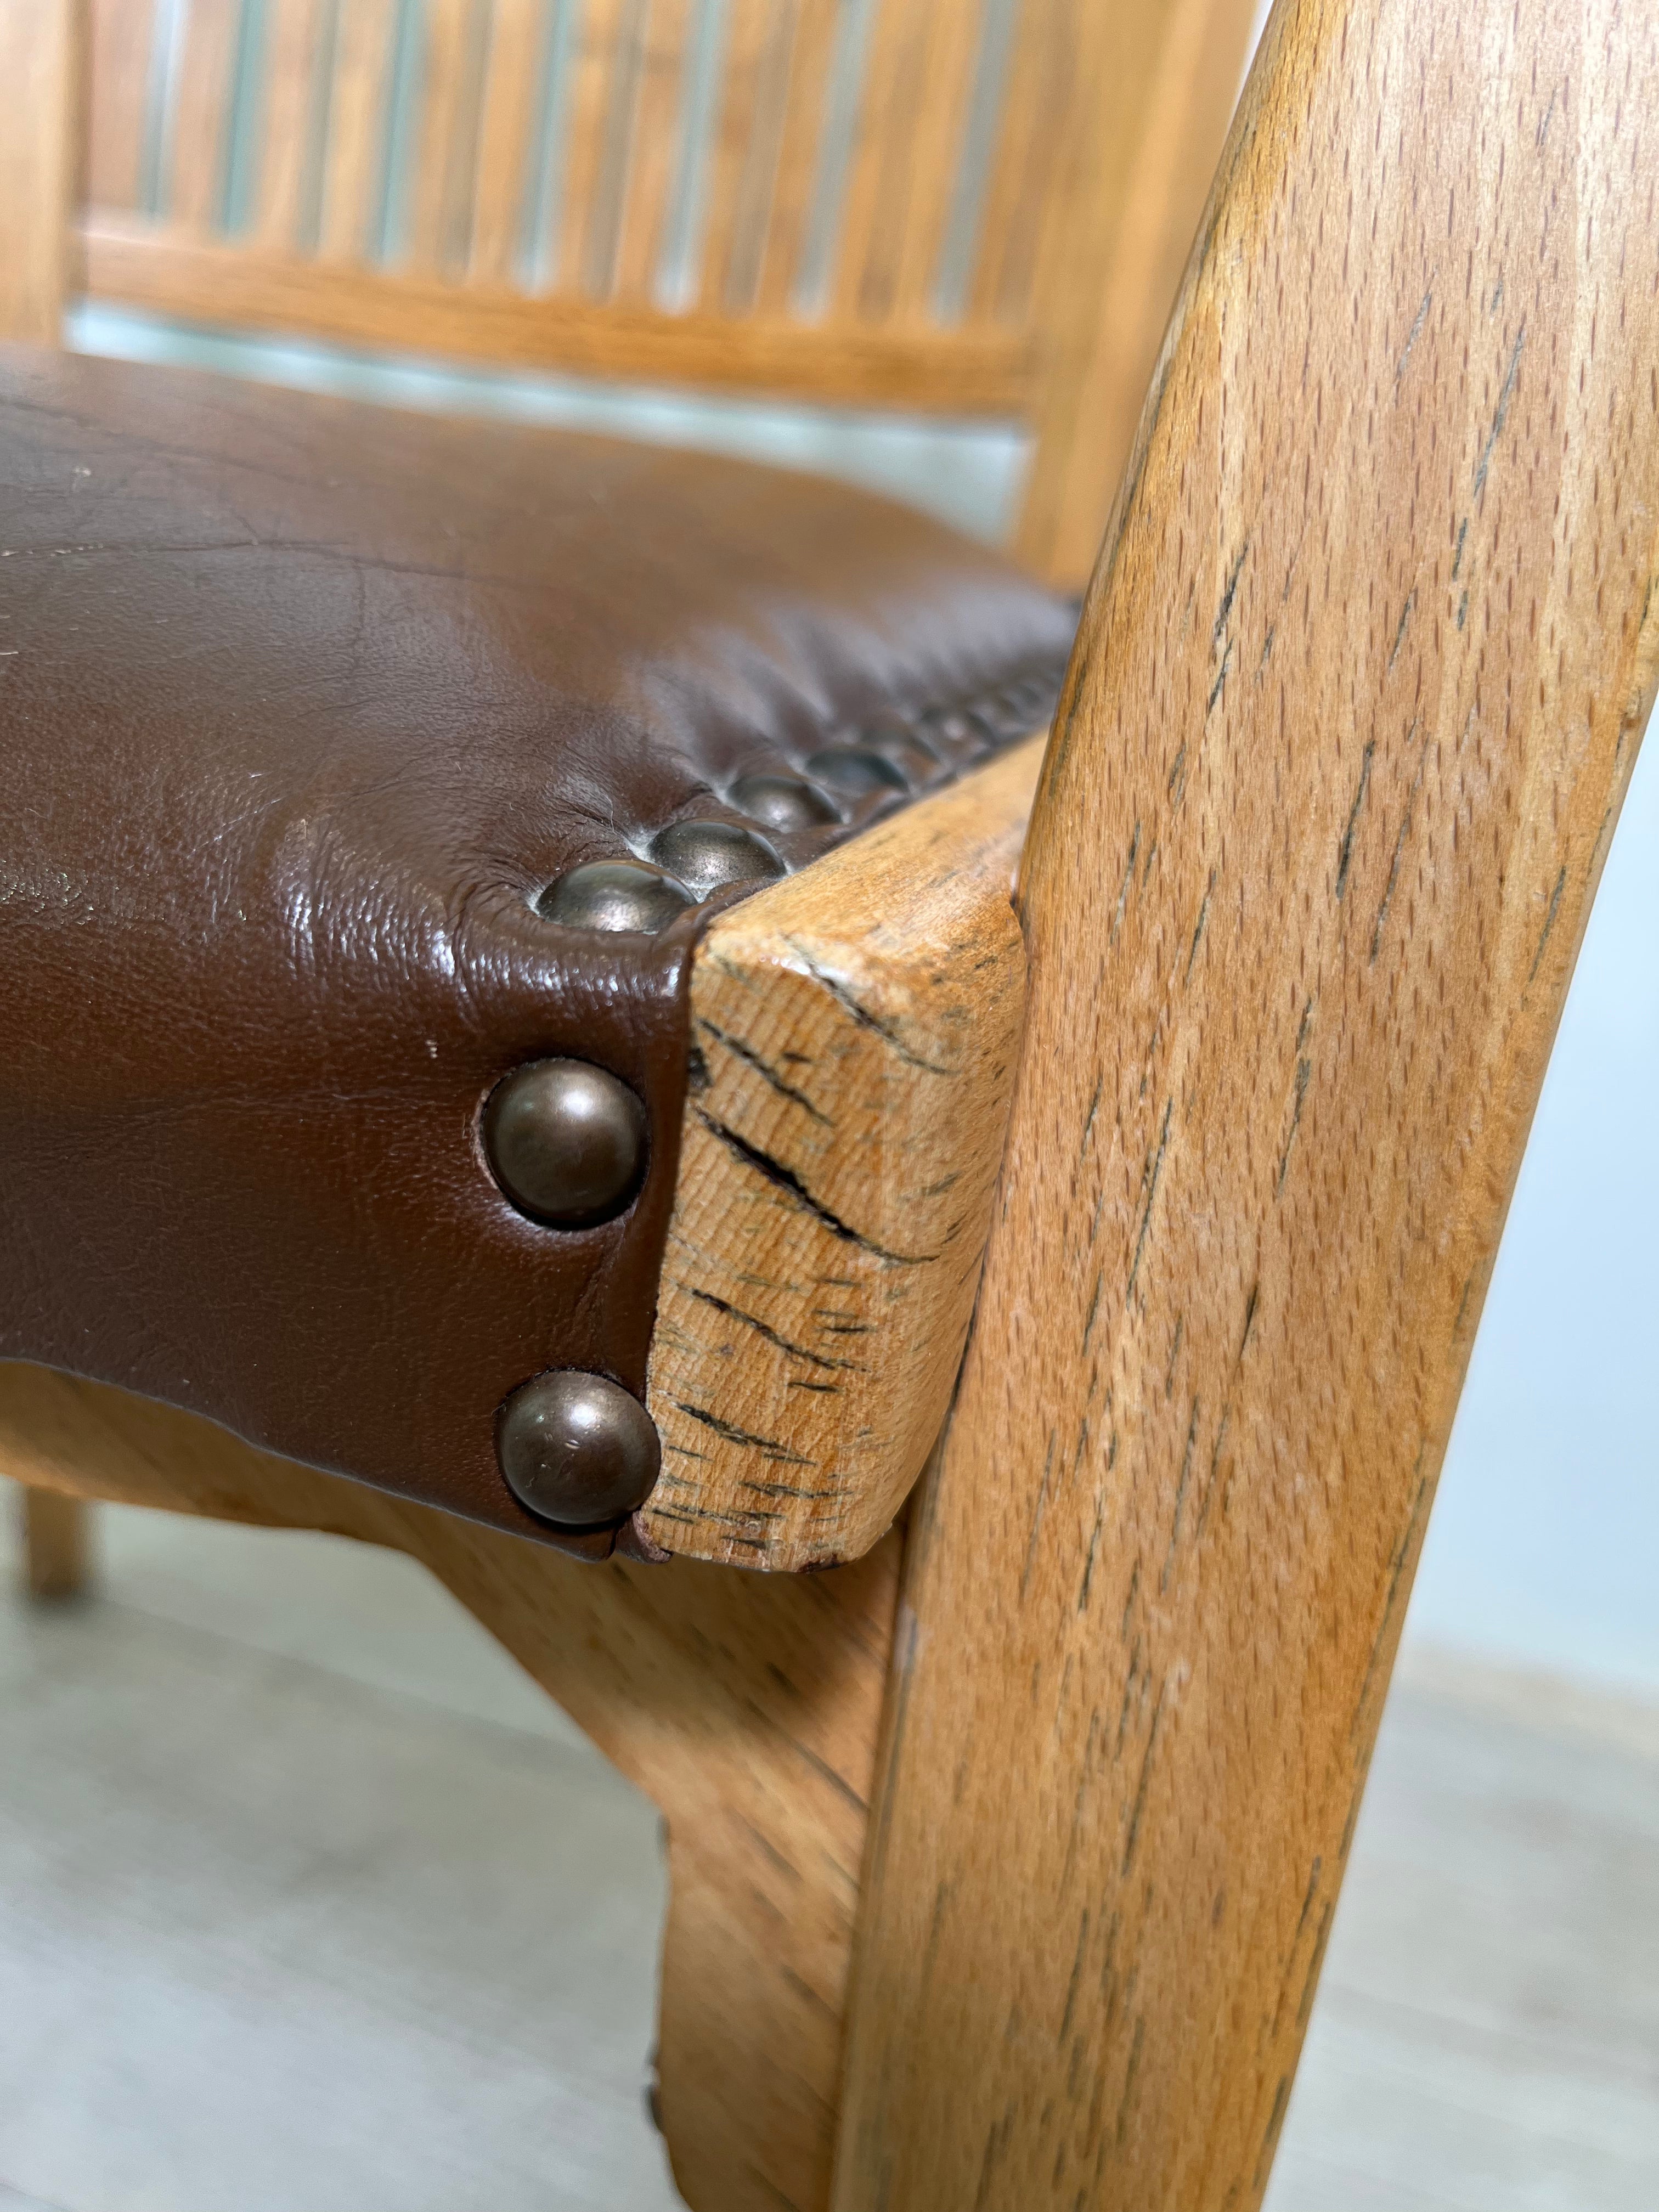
x: 308, y: 1903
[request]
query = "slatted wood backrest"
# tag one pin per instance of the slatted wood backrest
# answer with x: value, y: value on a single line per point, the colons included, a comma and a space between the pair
x: 917, y: 203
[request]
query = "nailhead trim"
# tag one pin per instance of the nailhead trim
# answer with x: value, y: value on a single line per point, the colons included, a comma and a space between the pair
x: 950, y: 737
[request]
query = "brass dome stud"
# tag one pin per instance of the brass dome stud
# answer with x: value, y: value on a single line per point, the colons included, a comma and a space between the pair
x: 577, y: 1449
x: 566, y: 1141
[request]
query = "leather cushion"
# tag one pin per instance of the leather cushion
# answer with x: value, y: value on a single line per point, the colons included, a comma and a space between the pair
x: 301, y: 703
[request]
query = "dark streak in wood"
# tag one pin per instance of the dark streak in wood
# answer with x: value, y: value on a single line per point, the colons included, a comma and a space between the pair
x: 1501, y: 416
x: 786, y: 1179
x: 1227, y: 596
x: 1345, y: 851
x: 1415, y: 330
x: 1549, y: 924
x: 1133, y: 1836
x: 733, y: 1435
x: 861, y: 1014
x: 1149, y: 1184
x: 750, y: 1058
x: 772, y: 1336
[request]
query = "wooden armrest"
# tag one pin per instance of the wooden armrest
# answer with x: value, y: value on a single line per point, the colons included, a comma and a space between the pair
x: 854, y: 1033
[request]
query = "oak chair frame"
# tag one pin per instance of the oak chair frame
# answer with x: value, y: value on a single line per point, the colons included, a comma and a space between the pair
x: 1003, y: 1863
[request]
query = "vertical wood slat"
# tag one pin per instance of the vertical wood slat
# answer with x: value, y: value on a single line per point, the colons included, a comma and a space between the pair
x: 752, y: 215
x: 506, y: 116
x: 118, y: 78
x: 935, y: 161
x: 660, y: 106
x: 1109, y: 271
x: 592, y: 78
x: 202, y: 115
x: 886, y: 90
x: 800, y: 151
x: 617, y: 149
x: 40, y: 67
x: 443, y: 135
x: 322, y: 139
x: 749, y: 33
x: 1358, y: 687
x: 1039, y: 103
x: 355, y: 147
x: 1090, y: 174
x: 915, y: 111
x: 291, y: 87
x: 874, y: 209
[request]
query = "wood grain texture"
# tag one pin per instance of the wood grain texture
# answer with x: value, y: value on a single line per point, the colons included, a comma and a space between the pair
x: 987, y: 373
x: 40, y: 60
x: 855, y: 1030
x: 747, y: 1707
x: 1360, y: 681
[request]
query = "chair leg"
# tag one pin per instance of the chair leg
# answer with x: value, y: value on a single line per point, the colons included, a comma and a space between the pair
x: 55, y: 1532
x: 748, y: 1707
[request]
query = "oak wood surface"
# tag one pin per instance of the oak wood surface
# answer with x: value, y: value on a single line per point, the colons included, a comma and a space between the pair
x: 648, y: 194
x: 1360, y: 681
x: 855, y: 1030
x: 39, y: 139
x: 747, y: 1707
x: 986, y: 372
x: 505, y: 151
x: 803, y: 102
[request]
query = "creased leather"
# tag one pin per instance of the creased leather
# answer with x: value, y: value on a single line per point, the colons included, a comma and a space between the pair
x: 301, y: 702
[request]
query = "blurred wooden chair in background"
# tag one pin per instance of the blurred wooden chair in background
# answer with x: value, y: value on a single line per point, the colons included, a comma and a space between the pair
x: 927, y: 205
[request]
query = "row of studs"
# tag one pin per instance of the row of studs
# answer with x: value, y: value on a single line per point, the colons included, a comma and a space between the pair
x: 687, y: 862
x: 566, y: 1139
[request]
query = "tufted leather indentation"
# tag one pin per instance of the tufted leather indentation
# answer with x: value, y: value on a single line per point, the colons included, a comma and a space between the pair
x: 304, y: 706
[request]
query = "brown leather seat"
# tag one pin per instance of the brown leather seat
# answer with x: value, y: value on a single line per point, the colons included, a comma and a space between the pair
x: 303, y: 706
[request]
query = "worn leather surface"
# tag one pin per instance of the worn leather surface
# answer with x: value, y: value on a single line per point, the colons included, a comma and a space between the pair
x: 301, y: 703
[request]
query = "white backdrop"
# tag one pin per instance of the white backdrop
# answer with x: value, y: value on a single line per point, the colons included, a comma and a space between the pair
x: 1544, y: 1546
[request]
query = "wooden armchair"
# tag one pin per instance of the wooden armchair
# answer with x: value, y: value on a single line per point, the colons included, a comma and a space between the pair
x: 1004, y: 1854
